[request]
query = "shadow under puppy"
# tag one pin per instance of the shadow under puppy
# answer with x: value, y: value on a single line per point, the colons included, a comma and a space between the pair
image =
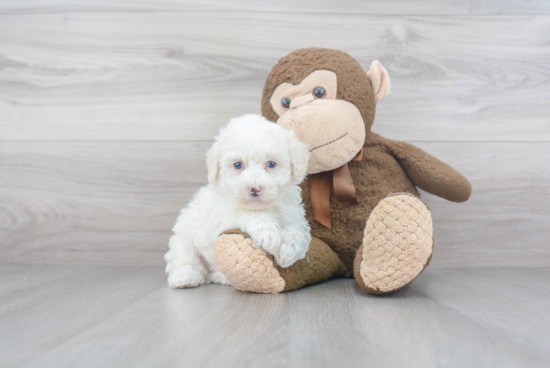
x: 254, y: 169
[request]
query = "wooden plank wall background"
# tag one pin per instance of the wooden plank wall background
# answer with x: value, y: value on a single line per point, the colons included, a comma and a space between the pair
x: 107, y: 109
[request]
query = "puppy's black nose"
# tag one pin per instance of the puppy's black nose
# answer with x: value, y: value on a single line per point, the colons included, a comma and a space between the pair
x: 255, y: 191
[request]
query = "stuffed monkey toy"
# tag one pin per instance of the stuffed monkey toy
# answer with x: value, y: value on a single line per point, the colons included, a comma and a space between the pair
x: 361, y: 199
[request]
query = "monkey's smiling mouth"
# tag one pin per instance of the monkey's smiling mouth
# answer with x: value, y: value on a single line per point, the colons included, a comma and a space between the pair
x: 326, y: 144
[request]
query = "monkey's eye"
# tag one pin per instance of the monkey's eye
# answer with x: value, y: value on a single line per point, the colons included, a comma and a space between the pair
x: 285, y: 102
x: 319, y: 92
x: 271, y: 164
x: 238, y: 165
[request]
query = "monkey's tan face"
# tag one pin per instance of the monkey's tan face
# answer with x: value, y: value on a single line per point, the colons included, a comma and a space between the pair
x: 333, y: 130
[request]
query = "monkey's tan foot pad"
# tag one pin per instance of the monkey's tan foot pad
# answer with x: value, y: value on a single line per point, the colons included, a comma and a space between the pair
x: 248, y: 267
x: 397, y: 245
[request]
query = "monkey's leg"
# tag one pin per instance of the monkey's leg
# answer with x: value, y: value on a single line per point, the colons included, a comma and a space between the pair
x: 397, y: 245
x: 250, y: 268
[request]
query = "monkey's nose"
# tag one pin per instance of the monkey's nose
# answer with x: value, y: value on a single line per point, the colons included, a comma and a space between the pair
x: 255, y: 191
x: 302, y: 100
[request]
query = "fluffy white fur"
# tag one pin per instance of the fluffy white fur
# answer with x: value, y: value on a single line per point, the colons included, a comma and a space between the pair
x: 261, y: 201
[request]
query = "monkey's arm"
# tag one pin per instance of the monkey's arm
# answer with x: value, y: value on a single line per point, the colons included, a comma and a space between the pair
x: 430, y: 174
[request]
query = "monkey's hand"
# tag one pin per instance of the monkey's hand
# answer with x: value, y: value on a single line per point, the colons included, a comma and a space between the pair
x: 431, y: 174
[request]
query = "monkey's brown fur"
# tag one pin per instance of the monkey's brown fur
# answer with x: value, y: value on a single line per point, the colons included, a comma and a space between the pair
x: 387, y: 166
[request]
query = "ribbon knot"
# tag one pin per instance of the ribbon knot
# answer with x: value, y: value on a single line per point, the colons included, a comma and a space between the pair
x: 344, y: 190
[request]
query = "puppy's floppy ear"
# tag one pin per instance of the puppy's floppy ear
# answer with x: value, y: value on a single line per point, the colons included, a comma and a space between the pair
x: 212, y: 164
x: 380, y: 80
x: 299, y: 157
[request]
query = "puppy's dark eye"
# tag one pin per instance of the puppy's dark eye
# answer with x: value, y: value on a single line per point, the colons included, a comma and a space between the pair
x: 319, y: 92
x: 285, y: 102
x: 238, y: 165
x: 271, y: 164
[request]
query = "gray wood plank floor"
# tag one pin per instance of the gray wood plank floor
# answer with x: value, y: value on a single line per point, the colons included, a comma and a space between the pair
x: 106, y: 316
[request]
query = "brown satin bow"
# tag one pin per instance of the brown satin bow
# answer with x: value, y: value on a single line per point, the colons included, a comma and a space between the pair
x: 344, y: 190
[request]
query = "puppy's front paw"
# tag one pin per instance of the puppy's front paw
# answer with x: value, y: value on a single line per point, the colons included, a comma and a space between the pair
x: 288, y: 254
x: 185, y: 277
x: 267, y: 237
x: 294, y: 246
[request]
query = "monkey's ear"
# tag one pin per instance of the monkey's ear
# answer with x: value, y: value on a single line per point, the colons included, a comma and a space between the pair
x: 212, y: 164
x: 380, y: 80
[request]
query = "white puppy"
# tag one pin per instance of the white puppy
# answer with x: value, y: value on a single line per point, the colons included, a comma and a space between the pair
x: 254, y: 169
